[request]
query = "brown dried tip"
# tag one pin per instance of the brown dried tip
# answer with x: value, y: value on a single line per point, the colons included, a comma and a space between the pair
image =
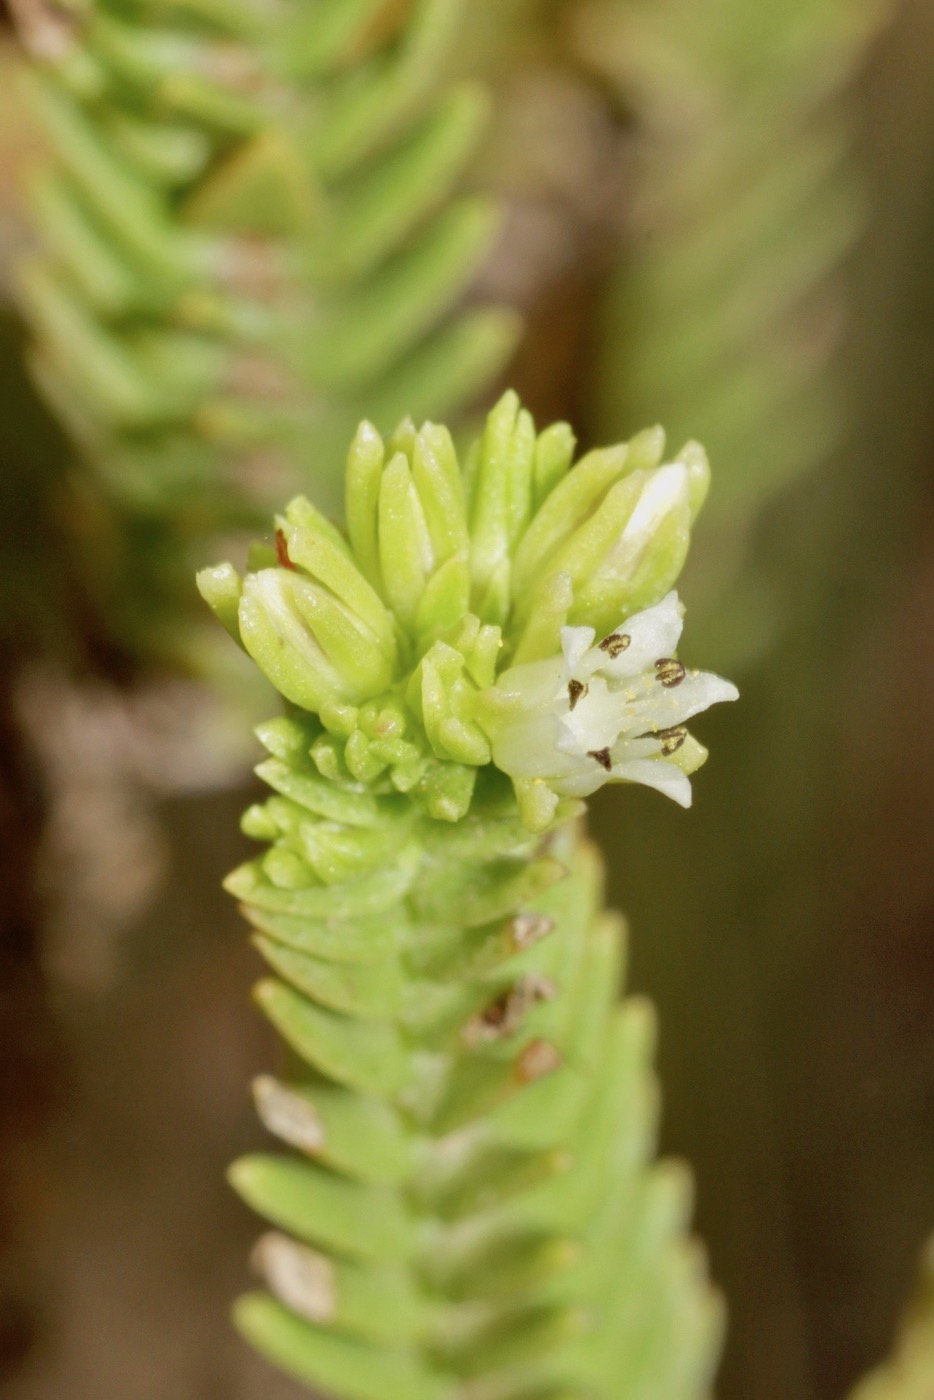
x: 282, y: 551
x: 528, y: 929
x: 289, y: 1115
x: 537, y: 1060
x: 503, y: 1017
x: 301, y: 1278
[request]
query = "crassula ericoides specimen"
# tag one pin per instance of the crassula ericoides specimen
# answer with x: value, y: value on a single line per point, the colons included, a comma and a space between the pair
x: 470, y: 1209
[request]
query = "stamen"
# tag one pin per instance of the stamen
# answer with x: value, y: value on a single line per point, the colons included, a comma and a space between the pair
x: 615, y: 644
x: 576, y: 691
x: 672, y: 739
x: 602, y: 756
x: 671, y: 672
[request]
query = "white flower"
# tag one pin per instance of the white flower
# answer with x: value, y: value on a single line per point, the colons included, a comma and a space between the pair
x: 613, y: 711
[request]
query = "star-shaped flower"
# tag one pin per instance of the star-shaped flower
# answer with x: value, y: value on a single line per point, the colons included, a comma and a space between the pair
x: 603, y: 711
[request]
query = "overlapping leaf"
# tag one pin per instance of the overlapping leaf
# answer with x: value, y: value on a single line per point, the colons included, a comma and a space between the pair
x: 253, y: 233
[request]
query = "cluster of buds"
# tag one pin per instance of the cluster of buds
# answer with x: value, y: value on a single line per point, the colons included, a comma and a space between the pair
x: 517, y: 612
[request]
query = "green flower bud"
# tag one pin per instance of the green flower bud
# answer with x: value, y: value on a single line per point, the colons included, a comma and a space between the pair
x: 649, y: 551
x: 221, y: 587
x: 619, y: 526
x: 315, y: 650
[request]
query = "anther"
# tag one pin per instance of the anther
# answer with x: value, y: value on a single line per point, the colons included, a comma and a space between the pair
x: 615, y: 644
x: 672, y: 739
x: 602, y: 756
x: 576, y: 691
x: 671, y: 671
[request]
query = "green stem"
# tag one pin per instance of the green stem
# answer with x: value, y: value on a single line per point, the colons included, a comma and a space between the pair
x: 475, y: 1211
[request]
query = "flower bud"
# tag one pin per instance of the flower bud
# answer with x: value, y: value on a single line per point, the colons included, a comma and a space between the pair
x: 407, y: 524
x: 649, y: 552
x: 313, y: 649
x: 619, y: 526
x: 221, y: 587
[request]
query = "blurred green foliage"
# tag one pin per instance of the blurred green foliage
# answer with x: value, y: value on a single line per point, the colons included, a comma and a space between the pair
x: 253, y: 231
x: 726, y: 313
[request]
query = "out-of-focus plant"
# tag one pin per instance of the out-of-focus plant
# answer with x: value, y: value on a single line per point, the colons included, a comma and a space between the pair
x: 910, y: 1373
x: 727, y: 308
x: 737, y: 307
x: 252, y: 232
x: 477, y: 1212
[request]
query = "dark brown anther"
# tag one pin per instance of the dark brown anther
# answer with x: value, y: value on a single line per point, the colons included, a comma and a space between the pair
x: 576, y: 691
x: 672, y: 739
x: 670, y: 671
x: 282, y: 551
x: 603, y: 758
x: 615, y: 644
x: 538, y: 1059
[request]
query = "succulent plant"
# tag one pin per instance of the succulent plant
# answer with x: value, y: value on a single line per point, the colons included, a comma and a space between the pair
x: 473, y: 1209
x: 254, y: 226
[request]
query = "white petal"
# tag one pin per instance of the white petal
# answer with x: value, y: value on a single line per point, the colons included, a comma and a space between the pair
x: 659, y: 774
x: 652, y: 634
x: 672, y: 705
x: 628, y: 750
x: 575, y: 642
x: 595, y: 721
x: 527, y: 746
x: 535, y: 682
x: 584, y: 781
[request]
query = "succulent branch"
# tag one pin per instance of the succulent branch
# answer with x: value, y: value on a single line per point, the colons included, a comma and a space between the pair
x: 252, y: 223
x: 752, y: 197
x: 473, y: 1211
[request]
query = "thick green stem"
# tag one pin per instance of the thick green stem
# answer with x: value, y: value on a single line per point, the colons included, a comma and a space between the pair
x: 475, y: 1212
